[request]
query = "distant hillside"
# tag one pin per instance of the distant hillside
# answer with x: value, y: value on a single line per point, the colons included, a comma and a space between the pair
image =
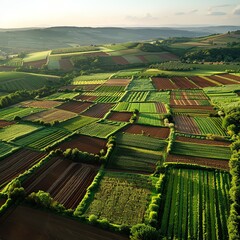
x: 59, y: 37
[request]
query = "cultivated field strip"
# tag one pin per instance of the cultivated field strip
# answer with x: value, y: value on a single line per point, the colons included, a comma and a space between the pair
x: 65, y: 181
x: 125, y: 158
x: 152, y: 131
x: 186, y: 124
x: 196, y: 205
x: 84, y: 144
x: 206, y: 162
x: 140, y: 141
x: 42, y: 138
x: 6, y: 148
x: 17, y: 163
x: 201, y: 150
x: 117, y: 196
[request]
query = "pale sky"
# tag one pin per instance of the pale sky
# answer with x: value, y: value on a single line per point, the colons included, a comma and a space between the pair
x: 123, y: 13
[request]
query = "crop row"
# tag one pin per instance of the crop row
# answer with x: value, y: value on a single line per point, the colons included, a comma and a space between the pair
x: 16, y: 130
x: 42, y: 138
x: 209, y: 125
x: 10, y: 113
x: 121, y: 198
x: 142, y: 84
x: 134, y: 159
x: 196, y: 205
x: 150, y: 119
x: 101, y: 129
x: 141, y: 141
x: 141, y: 107
x: 201, y: 150
x: 135, y: 96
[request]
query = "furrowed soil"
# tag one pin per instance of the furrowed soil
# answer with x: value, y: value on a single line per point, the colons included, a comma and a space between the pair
x: 26, y: 223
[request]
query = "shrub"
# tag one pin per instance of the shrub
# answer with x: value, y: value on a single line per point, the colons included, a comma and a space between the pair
x: 144, y: 232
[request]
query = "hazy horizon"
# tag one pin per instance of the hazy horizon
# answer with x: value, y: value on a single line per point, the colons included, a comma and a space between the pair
x: 108, y: 13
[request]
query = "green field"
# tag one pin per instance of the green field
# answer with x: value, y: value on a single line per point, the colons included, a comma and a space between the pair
x: 6, y: 149
x: 200, y: 150
x: 77, y: 122
x: 135, y: 96
x: 225, y: 97
x: 53, y: 62
x: 134, y: 159
x: 101, y: 129
x: 116, y: 198
x: 127, y: 73
x: 141, y: 141
x: 150, y: 119
x: 10, y: 113
x: 210, y: 125
x: 74, y: 49
x: 43, y: 138
x: 32, y: 57
x: 141, y: 84
x: 163, y: 97
x: 16, y: 130
x: 196, y: 205
x: 14, y: 81
x: 62, y: 96
x: 141, y: 107
x: 110, y: 89
x: 92, y: 77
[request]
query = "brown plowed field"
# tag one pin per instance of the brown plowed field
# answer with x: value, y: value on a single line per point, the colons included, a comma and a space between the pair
x: 117, y: 82
x: 184, y: 83
x: 95, y: 54
x: 122, y: 117
x: 98, y: 110
x: 186, y: 124
x: 41, y: 104
x: 84, y: 144
x: 163, y: 83
x: 4, y: 123
x: 17, y: 163
x: 35, y: 64
x: 65, y: 64
x: 88, y: 87
x: 155, y: 132
x: 160, y: 108
x: 201, y: 82
x: 51, y: 115
x: 69, y: 87
x: 230, y: 76
x: 120, y: 60
x: 86, y: 98
x: 207, y: 162
x: 64, y: 180
x: 203, y: 141
x: 74, y: 106
x: 208, y: 108
x: 25, y: 223
x: 142, y: 58
x: 223, y: 80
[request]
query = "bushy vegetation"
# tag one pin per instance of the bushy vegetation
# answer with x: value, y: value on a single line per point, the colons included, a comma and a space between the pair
x: 214, y: 55
x: 173, y: 66
x: 79, y: 156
